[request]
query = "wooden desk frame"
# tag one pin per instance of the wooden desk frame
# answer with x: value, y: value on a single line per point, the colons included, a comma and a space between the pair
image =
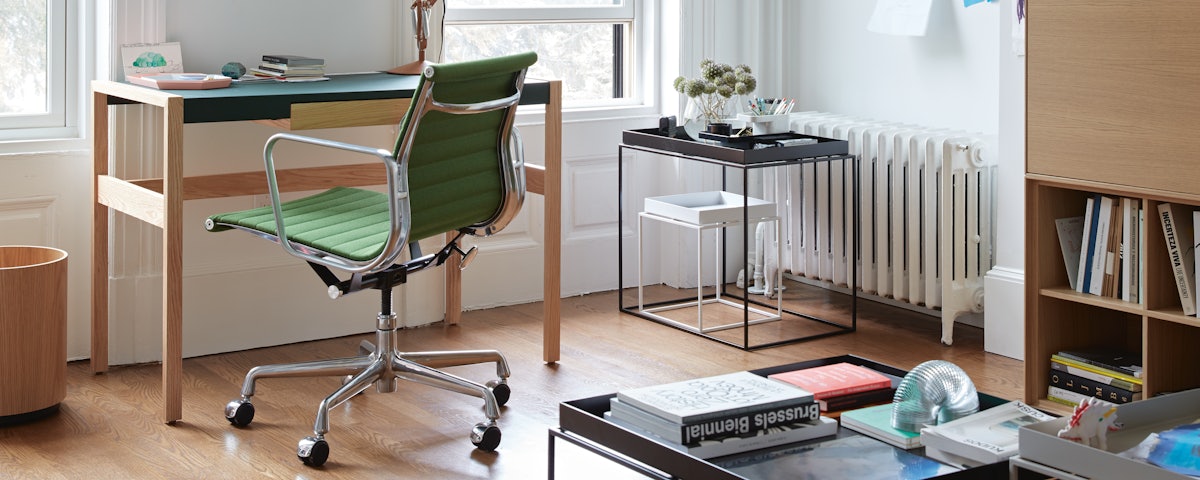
x: 159, y: 202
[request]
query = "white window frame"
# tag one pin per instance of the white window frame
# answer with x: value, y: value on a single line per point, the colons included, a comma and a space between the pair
x: 642, y: 47
x: 70, y: 60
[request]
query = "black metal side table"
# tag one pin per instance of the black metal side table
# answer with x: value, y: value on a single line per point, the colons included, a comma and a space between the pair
x: 744, y: 156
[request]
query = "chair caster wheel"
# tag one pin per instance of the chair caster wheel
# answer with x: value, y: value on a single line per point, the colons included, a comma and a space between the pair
x: 500, y: 391
x: 313, y: 451
x: 239, y: 412
x: 485, y: 437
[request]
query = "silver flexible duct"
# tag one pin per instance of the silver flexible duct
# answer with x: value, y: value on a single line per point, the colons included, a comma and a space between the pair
x: 934, y: 392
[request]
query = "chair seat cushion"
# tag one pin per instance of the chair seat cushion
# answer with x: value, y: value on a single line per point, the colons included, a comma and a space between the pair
x: 351, y: 223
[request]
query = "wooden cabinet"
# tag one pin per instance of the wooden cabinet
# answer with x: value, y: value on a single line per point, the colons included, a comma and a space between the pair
x: 1113, y: 106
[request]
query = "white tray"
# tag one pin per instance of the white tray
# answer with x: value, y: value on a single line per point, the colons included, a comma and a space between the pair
x: 705, y: 208
x: 1040, y: 443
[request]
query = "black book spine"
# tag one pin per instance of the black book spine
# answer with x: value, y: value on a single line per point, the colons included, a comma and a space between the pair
x: 856, y: 400
x: 743, y: 424
x: 1091, y: 388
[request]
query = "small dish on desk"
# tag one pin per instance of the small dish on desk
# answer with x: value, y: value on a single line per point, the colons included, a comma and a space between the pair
x: 180, y: 81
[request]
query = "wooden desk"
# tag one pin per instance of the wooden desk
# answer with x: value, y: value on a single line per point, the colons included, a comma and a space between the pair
x: 344, y: 101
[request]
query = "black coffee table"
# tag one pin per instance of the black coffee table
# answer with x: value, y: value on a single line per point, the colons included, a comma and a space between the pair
x: 846, y: 455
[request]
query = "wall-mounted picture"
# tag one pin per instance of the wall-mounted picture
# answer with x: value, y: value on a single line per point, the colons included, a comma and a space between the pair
x: 145, y: 58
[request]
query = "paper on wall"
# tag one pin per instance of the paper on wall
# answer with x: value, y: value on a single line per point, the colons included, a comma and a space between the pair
x: 900, y: 17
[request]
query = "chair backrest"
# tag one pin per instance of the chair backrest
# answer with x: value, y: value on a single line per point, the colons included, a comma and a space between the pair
x: 457, y: 148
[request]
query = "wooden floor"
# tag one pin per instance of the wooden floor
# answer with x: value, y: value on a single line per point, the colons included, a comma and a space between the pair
x: 108, y: 425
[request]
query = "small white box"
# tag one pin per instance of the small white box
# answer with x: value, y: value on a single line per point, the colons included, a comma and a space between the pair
x: 766, y: 124
x: 704, y: 208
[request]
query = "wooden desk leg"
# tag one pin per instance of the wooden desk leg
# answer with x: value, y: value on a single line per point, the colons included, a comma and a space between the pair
x: 172, y: 361
x: 99, y: 235
x: 552, y: 288
x: 453, y: 286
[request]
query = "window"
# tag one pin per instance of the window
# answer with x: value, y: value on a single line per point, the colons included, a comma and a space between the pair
x: 585, y: 43
x: 34, y: 97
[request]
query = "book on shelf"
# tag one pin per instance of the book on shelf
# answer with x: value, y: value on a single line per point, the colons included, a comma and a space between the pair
x: 1099, y: 258
x: 833, y: 380
x: 1195, y: 258
x: 988, y: 436
x: 1070, y: 240
x: 1131, y: 250
x: 1065, y: 397
x: 1117, y: 360
x: 1112, y: 256
x: 1088, y: 242
x: 1177, y: 228
x: 735, y: 425
x: 1098, y: 374
x: 1085, y: 386
x: 780, y: 435
x: 856, y: 400
x: 876, y: 422
x: 292, y: 60
x: 689, y: 401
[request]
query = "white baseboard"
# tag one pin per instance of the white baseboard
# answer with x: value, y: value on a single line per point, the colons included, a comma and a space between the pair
x: 1004, y: 315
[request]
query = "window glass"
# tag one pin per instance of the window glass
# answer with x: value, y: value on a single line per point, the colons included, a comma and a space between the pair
x: 583, y: 55
x: 585, y: 43
x: 24, y: 60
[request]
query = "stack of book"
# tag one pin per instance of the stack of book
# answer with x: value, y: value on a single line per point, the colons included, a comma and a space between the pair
x: 290, y: 67
x: 985, y: 437
x: 1108, y: 374
x: 1102, y: 248
x: 841, y: 386
x: 721, y: 415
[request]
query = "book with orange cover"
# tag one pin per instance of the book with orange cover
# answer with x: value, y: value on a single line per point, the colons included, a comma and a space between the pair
x: 833, y: 380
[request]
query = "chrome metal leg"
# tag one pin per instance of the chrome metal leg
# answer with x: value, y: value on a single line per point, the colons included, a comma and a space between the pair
x: 453, y: 358
x: 416, y: 372
x: 373, y: 373
x: 316, y: 368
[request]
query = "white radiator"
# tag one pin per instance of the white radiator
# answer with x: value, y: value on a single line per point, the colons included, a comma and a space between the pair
x: 926, y: 217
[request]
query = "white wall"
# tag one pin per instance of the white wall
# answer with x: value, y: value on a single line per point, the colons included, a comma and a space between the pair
x: 947, y: 78
x: 961, y: 74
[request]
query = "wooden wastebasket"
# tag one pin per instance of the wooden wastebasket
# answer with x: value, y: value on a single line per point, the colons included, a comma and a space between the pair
x: 33, y: 332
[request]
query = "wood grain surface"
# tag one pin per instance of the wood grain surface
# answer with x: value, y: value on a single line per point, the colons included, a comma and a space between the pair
x: 109, y: 426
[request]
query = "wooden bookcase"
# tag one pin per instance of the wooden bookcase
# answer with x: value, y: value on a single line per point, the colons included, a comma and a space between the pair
x: 1112, y: 106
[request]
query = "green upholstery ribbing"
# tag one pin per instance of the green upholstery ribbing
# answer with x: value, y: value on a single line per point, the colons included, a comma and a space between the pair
x: 454, y: 171
x: 348, y: 222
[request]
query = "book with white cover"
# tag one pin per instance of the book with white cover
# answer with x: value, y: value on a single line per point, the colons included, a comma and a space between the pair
x: 988, y: 436
x: 782, y: 435
x: 1176, y: 220
x: 1196, y: 258
x: 697, y: 399
x: 1070, y: 240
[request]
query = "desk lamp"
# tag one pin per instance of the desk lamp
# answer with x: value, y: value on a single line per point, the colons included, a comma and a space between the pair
x: 420, y: 13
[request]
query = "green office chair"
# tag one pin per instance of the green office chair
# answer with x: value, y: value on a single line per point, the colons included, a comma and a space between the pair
x: 457, y: 166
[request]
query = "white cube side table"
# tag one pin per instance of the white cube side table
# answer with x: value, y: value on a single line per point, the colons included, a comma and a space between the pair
x: 703, y: 211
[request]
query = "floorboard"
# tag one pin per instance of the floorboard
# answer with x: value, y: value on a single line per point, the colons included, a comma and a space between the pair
x: 108, y: 427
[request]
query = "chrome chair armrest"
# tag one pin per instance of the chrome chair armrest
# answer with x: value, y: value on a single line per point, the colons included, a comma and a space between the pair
x: 390, y: 252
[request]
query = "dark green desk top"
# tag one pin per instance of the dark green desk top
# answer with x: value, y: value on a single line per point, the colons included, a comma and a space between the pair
x: 273, y: 100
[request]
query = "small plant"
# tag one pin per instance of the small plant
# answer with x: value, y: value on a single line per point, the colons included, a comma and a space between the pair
x: 718, y: 82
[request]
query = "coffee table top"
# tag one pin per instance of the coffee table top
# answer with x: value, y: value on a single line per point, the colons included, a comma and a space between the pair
x: 846, y: 455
